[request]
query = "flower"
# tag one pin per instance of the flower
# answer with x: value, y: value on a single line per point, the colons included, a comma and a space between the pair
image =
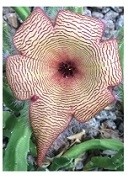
x: 64, y: 69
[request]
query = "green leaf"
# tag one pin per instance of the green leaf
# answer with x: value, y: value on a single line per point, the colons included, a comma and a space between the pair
x: 6, y: 116
x: 99, y: 162
x: 76, y: 150
x: 118, y: 160
x: 10, y: 101
x: 108, y: 163
x: 33, y: 149
x: 23, y: 12
x: 9, y: 121
x: 7, y: 40
x: 15, y: 158
x: 78, y: 10
x: 59, y: 163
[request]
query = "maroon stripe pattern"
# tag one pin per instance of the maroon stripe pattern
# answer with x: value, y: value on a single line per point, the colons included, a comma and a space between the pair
x: 65, y: 70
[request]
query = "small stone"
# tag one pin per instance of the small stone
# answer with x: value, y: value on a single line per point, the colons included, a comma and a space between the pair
x: 4, y: 18
x: 111, y: 15
x: 5, y: 108
x: 109, y: 152
x: 115, y: 34
x: 92, y: 127
x: 106, y: 115
x: 102, y: 115
x: 6, y: 10
x: 30, y: 159
x: 12, y: 19
x: 110, y: 124
x: 118, y: 9
x: 97, y: 15
x: 121, y: 128
x: 109, y: 25
x: 87, y: 12
x: 120, y: 22
x: 79, y: 166
x: 78, y: 162
x: 109, y: 28
x: 99, y: 7
x: 112, y: 115
x: 108, y: 34
x: 110, y: 107
x: 93, y: 123
x: 105, y: 10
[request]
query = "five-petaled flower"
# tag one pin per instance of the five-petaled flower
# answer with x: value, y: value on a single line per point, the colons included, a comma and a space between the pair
x: 64, y: 69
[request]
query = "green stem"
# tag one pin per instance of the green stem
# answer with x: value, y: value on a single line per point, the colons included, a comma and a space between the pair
x: 75, y: 151
x: 23, y: 12
x: 78, y: 10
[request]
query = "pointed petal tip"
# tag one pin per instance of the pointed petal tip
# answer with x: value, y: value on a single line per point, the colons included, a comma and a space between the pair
x: 41, y: 155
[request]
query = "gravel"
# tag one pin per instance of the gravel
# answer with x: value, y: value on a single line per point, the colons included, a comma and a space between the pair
x: 105, y: 10
x: 117, y: 9
x: 12, y: 19
x: 111, y: 15
x: 120, y: 22
x: 87, y: 12
x: 121, y: 127
x: 97, y: 15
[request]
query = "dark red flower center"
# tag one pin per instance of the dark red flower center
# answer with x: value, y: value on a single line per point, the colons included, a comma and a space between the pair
x: 67, y: 69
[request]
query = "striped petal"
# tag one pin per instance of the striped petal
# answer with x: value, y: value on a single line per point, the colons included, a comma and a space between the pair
x: 92, y: 103
x: 37, y: 36
x: 110, y: 64
x: 80, y: 28
x: 48, y: 122
x: 24, y: 76
x: 34, y: 35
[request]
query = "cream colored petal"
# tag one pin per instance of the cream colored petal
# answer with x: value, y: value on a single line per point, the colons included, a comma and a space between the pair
x: 47, y: 122
x: 93, y: 104
x: 110, y: 63
x: 81, y: 28
x: 34, y: 34
x: 24, y: 76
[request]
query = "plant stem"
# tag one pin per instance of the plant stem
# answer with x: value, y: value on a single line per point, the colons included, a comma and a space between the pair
x: 23, y: 12
x: 75, y: 151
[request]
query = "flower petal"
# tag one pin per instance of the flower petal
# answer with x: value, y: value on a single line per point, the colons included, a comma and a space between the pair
x: 24, y: 77
x: 37, y: 36
x: 81, y: 28
x: 33, y: 35
x: 92, y: 104
x: 47, y: 122
x: 111, y: 73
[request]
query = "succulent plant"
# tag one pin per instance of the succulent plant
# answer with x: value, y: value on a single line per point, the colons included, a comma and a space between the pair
x: 64, y: 70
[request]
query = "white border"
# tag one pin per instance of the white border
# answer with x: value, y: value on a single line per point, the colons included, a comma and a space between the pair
x: 63, y: 3
x: 128, y: 100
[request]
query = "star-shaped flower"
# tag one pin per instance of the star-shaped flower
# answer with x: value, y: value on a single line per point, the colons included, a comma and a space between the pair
x: 64, y: 69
